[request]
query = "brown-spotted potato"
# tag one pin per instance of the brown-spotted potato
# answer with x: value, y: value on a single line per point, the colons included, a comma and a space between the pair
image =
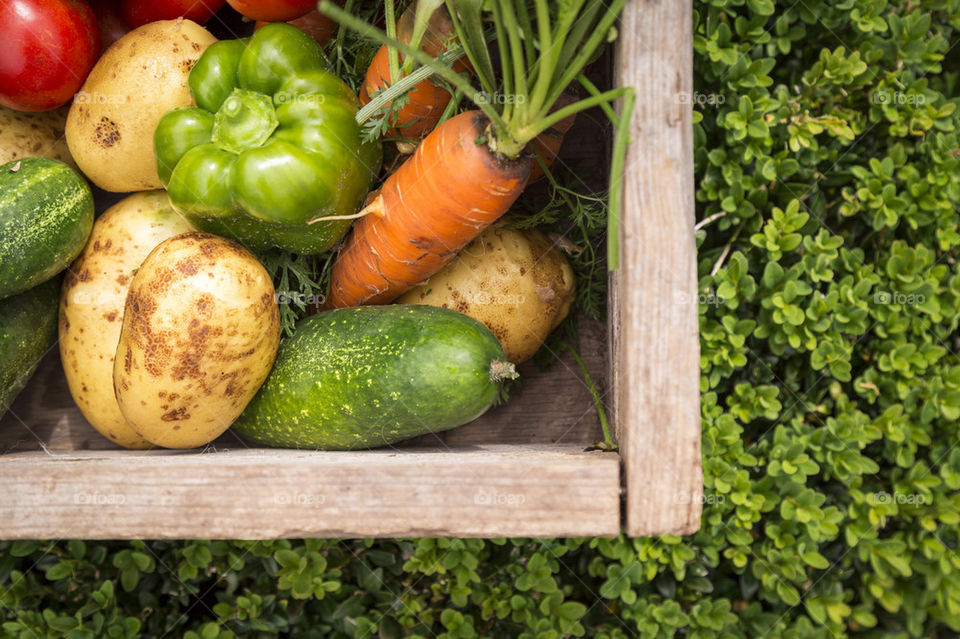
x: 515, y: 281
x: 27, y: 135
x: 200, y: 332
x: 92, y: 302
x: 138, y: 79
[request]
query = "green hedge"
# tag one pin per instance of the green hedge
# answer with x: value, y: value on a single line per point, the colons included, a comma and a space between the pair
x: 828, y: 181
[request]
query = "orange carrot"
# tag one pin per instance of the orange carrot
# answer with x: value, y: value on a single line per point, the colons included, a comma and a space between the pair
x: 471, y: 168
x: 427, y: 100
x: 449, y: 191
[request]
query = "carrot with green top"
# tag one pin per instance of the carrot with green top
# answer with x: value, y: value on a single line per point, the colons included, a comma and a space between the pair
x: 427, y: 25
x: 470, y: 169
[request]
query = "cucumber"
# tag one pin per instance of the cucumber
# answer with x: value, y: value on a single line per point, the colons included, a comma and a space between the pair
x: 46, y: 214
x: 375, y: 375
x: 28, y: 328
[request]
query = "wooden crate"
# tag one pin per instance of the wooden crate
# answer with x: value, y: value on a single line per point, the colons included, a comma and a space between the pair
x: 521, y: 470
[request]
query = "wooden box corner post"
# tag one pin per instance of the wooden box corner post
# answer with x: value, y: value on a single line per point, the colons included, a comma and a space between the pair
x: 654, y: 343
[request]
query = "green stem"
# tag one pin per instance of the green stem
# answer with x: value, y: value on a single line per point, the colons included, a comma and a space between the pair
x: 421, y: 20
x: 514, y: 101
x: 531, y: 131
x: 246, y: 120
x: 577, y: 32
x: 544, y: 70
x: 392, y: 58
x: 341, y: 34
x: 581, y: 60
x: 393, y: 91
x: 471, y: 36
x: 526, y: 25
x: 506, y: 69
x: 329, y: 9
x: 598, y: 402
x: 517, y: 139
x: 593, y: 90
x: 452, y: 106
x: 620, y: 141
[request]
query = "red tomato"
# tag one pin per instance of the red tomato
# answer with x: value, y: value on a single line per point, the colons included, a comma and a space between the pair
x: 140, y: 12
x: 316, y: 25
x: 49, y: 47
x: 273, y: 10
x: 112, y: 26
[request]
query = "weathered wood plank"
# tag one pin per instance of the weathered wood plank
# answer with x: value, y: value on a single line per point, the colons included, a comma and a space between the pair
x: 655, y: 356
x: 261, y: 494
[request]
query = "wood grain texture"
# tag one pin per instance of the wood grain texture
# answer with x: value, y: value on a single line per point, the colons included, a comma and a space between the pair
x: 263, y: 494
x: 654, y: 339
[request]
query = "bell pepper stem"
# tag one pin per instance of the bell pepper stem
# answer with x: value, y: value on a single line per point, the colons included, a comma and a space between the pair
x: 246, y: 120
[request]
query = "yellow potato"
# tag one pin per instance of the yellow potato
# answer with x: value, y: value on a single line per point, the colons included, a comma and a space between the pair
x: 92, y: 300
x: 113, y: 116
x: 515, y: 281
x: 31, y: 135
x: 200, y: 332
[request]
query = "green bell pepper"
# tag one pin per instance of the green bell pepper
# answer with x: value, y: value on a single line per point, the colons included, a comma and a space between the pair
x: 271, y: 146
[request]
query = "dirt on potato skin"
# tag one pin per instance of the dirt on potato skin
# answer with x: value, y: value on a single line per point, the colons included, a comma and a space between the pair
x: 201, y: 327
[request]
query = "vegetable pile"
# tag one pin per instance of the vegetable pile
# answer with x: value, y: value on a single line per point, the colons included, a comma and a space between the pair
x: 330, y: 238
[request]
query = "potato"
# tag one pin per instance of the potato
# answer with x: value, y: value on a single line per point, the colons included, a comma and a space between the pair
x: 200, y: 332
x: 30, y: 135
x: 515, y: 281
x: 92, y: 300
x: 113, y: 116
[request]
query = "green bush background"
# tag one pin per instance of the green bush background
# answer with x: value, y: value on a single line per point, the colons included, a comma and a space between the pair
x: 828, y: 183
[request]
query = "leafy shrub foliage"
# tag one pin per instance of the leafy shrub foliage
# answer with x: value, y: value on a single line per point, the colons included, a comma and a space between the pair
x: 828, y: 186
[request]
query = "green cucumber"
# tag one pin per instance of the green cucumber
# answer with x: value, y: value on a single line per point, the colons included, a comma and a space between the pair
x: 28, y: 328
x: 46, y: 214
x: 375, y: 375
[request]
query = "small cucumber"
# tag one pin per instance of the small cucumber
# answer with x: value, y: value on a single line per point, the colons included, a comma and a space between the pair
x: 28, y: 328
x: 375, y: 375
x: 46, y: 214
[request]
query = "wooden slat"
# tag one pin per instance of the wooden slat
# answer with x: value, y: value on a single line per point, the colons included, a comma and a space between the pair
x: 262, y: 494
x: 655, y: 362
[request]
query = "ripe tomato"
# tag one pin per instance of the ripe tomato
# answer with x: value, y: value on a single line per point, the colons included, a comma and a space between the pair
x: 49, y: 47
x: 140, y: 12
x: 273, y: 10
